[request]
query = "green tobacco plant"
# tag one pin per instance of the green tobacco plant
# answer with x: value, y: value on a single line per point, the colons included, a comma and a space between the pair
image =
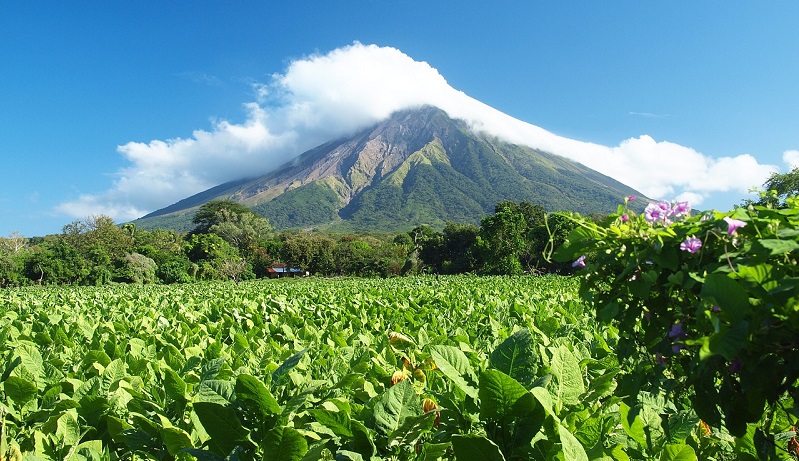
x: 706, y: 309
x: 301, y: 369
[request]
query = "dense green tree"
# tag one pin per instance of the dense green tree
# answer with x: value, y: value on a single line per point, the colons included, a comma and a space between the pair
x: 167, y: 249
x: 243, y: 230
x: 503, y: 240
x: 13, y: 252
x: 214, y: 212
x: 56, y: 262
x: 310, y: 252
x: 428, y: 250
x: 216, y: 258
x: 459, y: 247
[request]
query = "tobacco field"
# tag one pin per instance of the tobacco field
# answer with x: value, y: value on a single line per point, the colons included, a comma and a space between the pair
x: 416, y: 368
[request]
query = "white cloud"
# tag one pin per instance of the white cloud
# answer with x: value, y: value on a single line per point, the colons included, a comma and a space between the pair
x: 791, y: 157
x: 328, y: 95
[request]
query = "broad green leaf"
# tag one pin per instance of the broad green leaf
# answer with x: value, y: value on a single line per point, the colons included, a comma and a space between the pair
x: 601, y: 386
x: 67, y: 428
x: 434, y: 451
x: 544, y: 398
x: 21, y: 391
x: 216, y: 391
x: 453, y: 363
x: 363, y: 439
x: 727, y: 342
x: 678, y: 452
x: 96, y: 356
x: 413, y: 428
x: 137, y: 347
x: 475, y: 448
x: 336, y: 421
x: 174, y: 385
x: 211, y: 369
x: 175, y: 440
x: 681, y: 426
x: 113, y: 372
x: 729, y: 295
x: 517, y: 357
x: 255, y: 396
x: 572, y: 449
x: 568, y: 377
x: 116, y: 427
x: 92, y: 408
x: 30, y: 359
x: 286, y: 366
x: 222, y: 425
x: 632, y: 424
x: 396, y: 404
x: 316, y: 450
x: 90, y: 449
x: 502, y: 397
x: 778, y: 247
x: 284, y: 444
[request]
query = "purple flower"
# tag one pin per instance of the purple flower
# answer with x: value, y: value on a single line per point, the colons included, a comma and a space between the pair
x: 625, y: 218
x: 735, y: 366
x: 654, y: 213
x: 681, y: 209
x: 677, y: 347
x: 677, y: 331
x: 733, y: 225
x: 691, y: 244
x: 631, y: 198
x: 580, y: 262
x: 716, y: 309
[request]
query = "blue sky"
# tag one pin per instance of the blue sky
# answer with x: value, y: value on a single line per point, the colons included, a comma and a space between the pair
x: 121, y: 108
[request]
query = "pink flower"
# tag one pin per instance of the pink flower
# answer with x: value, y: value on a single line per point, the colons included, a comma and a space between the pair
x: 654, y: 213
x: 691, y: 244
x: 681, y: 209
x: 733, y: 225
x: 580, y: 262
x: 625, y: 218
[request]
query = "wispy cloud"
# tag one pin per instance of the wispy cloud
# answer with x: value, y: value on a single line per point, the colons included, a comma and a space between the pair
x: 328, y: 95
x: 649, y: 115
x: 201, y: 78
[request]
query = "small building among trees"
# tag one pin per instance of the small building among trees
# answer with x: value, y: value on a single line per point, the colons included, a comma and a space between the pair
x: 282, y: 270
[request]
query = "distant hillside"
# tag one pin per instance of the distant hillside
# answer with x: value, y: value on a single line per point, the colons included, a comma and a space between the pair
x: 417, y: 167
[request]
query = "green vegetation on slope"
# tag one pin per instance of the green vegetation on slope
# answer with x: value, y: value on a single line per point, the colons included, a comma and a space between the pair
x: 306, y: 206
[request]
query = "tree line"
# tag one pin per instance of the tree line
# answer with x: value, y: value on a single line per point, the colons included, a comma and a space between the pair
x: 231, y: 242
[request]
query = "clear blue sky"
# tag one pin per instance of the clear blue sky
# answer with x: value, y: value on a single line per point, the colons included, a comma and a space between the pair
x: 77, y: 80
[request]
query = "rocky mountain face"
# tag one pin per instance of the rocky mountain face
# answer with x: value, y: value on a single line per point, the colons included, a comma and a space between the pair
x: 417, y: 167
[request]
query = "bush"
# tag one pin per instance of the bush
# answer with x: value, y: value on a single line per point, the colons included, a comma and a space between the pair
x: 707, y: 307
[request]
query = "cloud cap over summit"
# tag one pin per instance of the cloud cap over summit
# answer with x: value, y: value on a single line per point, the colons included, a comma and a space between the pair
x: 324, y: 96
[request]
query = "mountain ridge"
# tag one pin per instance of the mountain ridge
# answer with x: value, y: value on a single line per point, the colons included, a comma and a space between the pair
x: 419, y: 166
